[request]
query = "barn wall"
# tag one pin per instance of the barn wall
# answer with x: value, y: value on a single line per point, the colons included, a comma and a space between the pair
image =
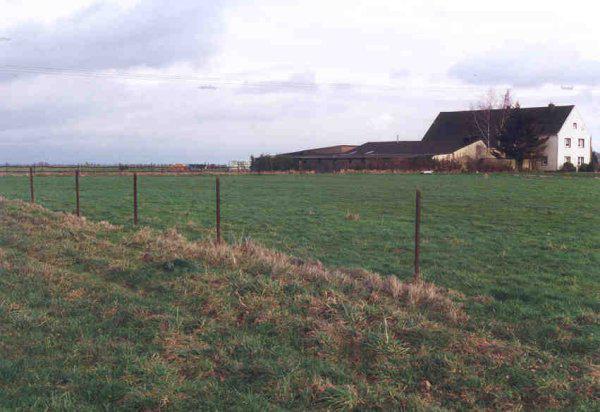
x: 476, y: 150
x: 334, y: 165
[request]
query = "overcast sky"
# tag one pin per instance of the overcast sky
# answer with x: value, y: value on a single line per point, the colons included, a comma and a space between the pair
x: 213, y: 81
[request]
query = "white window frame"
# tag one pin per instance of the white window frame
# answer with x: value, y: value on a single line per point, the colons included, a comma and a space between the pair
x: 567, y: 159
x: 580, y: 160
x: 575, y: 125
x: 581, y: 143
x: 567, y: 142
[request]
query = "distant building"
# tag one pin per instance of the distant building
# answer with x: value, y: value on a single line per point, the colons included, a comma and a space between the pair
x: 239, y: 165
x: 455, y: 136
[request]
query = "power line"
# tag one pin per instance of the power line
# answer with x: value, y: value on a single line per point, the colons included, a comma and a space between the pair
x: 210, y: 83
x: 216, y: 82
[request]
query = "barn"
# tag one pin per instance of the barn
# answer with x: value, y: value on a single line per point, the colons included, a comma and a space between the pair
x: 457, y: 136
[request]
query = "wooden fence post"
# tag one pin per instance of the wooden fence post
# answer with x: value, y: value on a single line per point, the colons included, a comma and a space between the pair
x: 135, y: 199
x: 31, y: 192
x: 218, y: 212
x: 417, y: 274
x: 77, y: 208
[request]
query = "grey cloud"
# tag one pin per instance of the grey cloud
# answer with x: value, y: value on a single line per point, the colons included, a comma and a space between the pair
x: 529, y: 66
x: 399, y: 74
x: 304, y: 82
x: 296, y: 83
x: 8, y: 76
x: 75, y: 120
x: 342, y: 87
x: 153, y: 33
x: 39, y: 116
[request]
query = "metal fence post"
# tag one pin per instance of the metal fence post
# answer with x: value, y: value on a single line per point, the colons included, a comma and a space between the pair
x: 417, y: 274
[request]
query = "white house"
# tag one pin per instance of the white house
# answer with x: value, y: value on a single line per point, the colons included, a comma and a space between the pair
x: 569, y: 139
x: 571, y: 143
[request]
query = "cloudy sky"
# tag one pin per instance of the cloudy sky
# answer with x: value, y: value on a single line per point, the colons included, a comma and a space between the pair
x: 212, y: 81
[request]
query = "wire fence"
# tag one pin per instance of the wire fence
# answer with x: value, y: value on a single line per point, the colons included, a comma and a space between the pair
x: 130, y: 193
x: 123, y: 169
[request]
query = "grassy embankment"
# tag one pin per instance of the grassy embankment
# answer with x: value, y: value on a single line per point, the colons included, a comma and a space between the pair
x: 95, y: 315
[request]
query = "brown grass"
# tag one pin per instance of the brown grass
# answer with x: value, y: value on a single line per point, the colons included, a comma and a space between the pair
x: 354, y: 217
x: 254, y: 258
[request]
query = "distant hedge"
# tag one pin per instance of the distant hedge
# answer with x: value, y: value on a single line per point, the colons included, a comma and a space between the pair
x: 268, y: 163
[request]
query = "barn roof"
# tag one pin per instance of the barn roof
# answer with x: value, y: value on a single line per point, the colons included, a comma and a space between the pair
x: 393, y: 148
x: 322, y: 151
x: 404, y: 149
x: 452, y: 130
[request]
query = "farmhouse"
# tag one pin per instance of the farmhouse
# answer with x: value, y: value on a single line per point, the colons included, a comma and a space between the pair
x: 459, y: 136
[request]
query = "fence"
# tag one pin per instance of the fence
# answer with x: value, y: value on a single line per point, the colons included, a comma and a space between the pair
x: 218, y: 237
x: 121, y: 169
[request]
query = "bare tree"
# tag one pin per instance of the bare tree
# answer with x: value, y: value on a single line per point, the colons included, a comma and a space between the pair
x: 490, y: 114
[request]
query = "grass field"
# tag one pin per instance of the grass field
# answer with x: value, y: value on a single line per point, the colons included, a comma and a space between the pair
x: 523, y: 249
x: 95, y: 317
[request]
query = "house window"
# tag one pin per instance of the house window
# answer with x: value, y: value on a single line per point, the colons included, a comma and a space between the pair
x: 567, y: 159
x: 581, y: 143
x: 574, y: 125
x: 544, y: 160
x: 568, y: 142
x: 580, y: 160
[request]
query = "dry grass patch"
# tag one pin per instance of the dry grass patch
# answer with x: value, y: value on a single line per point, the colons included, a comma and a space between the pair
x: 354, y: 217
x: 165, y: 246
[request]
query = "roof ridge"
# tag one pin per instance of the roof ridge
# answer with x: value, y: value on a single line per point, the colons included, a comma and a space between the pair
x: 390, y: 141
x: 525, y: 108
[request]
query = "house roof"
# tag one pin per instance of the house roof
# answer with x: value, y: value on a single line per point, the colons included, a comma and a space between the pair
x: 452, y: 130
